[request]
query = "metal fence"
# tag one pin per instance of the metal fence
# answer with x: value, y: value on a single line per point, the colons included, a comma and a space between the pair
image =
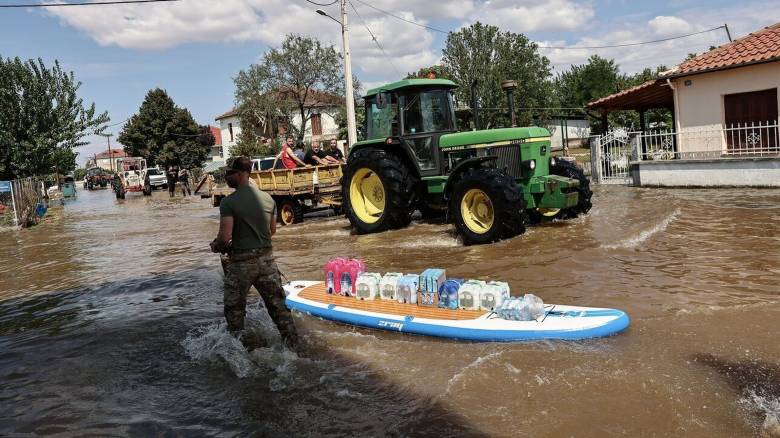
x: 22, y: 200
x: 739, y: 140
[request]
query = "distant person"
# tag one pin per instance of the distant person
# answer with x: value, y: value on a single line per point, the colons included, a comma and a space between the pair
x: 315, y: 156
x: 299, y: 152
x: 247, y: 222
x: 184, y: 179
x: 334, y: 153
x: 287, y: 157
x: 171, y: 176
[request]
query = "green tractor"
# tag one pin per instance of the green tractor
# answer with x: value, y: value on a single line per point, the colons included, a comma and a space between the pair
x: 489, y: 183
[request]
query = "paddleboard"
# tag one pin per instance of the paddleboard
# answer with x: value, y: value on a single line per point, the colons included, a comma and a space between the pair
x: 558, y: 321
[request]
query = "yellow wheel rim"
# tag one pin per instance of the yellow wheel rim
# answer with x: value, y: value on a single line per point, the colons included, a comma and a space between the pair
x: 548, y: 212
x: 288, y: 217
x: 477, y: 211
x: 367, y: 195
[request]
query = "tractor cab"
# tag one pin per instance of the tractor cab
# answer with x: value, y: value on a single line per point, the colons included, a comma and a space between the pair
x: 415, y: 113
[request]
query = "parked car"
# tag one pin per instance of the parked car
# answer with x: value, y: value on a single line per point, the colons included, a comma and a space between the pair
x: 264, y: 163
x: 155, y: 179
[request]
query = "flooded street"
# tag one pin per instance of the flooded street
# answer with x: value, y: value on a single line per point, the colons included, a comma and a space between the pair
x: 111, y: 324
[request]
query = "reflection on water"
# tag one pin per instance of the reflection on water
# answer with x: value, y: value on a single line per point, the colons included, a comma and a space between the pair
x: 110, y: 323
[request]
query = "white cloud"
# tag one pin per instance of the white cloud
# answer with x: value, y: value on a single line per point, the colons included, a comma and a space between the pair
x: 534, y: 16
x: 669, y: 26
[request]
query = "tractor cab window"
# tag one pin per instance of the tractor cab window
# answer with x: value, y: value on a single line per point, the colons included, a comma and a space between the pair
x: 428, y: 111
x: 381, y: 122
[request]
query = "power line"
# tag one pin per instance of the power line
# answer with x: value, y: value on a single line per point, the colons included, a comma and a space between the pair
x: 100, y: 3
x: 631, y: 44
x: 323, y: 4
x: 373, y: 37
x: 548, y: 47
x: 401, y: 18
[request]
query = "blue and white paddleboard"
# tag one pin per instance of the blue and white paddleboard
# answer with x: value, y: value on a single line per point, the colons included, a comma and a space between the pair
x: 558, y: 322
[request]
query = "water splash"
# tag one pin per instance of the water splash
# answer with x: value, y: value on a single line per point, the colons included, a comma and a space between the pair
x: 473, y: 365
x: 431, y: 242
x: 634, y: 241
x: 768, y: 407
x: 213, y: 343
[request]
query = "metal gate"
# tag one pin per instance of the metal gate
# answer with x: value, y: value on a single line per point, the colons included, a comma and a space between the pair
x: 613, y: 152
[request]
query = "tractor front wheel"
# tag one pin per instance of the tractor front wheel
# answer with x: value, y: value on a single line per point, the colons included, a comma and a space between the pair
x: 289, y: 211
x: 377, y: 191
x: 487, y: 206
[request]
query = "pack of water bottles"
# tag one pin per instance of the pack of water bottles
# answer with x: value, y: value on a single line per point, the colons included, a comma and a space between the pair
x: 526, y: 308
x: 348, y: 277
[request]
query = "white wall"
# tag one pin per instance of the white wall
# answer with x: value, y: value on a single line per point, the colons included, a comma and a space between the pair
x: 329, y: 126
x: 224, y: 129
x: 700, y: 104
x: 575, y: 130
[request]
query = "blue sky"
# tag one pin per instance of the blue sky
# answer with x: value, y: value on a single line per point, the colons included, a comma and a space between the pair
x: 193, y: 48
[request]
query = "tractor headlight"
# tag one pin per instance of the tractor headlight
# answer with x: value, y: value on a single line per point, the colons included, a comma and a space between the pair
x: 552, y: 161
x: 532, y: 165
x: 528, y: 166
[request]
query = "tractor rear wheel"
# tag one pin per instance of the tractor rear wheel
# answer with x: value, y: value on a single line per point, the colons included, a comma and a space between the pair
x: 487, y: 206
x: 289, y: 211
x: 377, y: 191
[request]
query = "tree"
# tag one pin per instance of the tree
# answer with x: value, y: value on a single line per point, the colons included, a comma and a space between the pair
x: 165, y: 134
x: 484, y: 53
x: 434, y: 71
x: 585, y: 83
x: 42, y: 119
x: 288, y: 82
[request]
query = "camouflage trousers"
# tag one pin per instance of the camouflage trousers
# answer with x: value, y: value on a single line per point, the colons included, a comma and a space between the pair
x: 256, y: 267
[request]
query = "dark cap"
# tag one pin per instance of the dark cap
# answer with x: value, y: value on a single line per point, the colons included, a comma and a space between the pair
x: 238, y: 164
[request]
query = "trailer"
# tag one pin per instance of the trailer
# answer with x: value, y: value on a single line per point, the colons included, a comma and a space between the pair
x: 296, y: 191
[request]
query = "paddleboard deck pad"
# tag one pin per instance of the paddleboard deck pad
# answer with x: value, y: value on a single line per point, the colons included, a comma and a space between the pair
x: 558, y: 322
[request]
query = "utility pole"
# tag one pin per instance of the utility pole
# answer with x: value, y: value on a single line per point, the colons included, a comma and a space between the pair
x: 350, y: 94
x: 726, y: 26
x: 110, y: 154
x: 351, y: 128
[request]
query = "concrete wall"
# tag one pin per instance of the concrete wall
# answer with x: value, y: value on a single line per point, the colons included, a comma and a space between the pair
x: 576, y: 130
x: 753, y: 172
x: 700, y: 108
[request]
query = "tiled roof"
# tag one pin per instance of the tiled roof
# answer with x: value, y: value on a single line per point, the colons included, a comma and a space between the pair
x: 651, y: 94
x: 217, y: 135
x: 116, y: 153
x: 315, y: 99
x: 760, y: 46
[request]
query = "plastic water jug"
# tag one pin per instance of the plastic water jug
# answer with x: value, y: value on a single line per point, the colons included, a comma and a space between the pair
x: 493, y: 294
x: 406, y: 291
x: 430, y: 282
x: 367, y: 286
x: 388, y: 286
x: 526, y: 308
x: 469, y: 293
x: 349, y: 274
x: 448, y: 293
x: 333, y: 275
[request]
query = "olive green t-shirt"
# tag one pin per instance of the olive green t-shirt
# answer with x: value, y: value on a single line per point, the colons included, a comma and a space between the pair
x: 252, y: 211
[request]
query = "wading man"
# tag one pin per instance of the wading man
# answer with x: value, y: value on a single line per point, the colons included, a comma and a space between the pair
x: 246, y: 224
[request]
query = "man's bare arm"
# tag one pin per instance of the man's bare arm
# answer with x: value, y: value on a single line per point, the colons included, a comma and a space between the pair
x: 225, y: 234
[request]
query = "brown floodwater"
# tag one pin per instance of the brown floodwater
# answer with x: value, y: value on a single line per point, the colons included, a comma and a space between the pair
x: 111, y: 324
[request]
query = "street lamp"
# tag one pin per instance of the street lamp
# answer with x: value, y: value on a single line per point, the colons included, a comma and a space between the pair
x: 351, y: 128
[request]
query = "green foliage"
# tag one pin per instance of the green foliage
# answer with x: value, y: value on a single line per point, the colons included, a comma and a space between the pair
x: 360, y: 121
x: 165, y: 134
x: 484, y: 53
x: 79, y: 173
x: 438, y: 71
x: 585, y: 83
x: 287, y: 82
x: 42, y: 119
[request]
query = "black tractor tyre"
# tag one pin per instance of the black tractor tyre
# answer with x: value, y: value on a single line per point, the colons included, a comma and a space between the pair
x: 398, y: 183
x: 147, y: 190
x: 289, y: 211
x: 509, y: 213
x: 429, y: 213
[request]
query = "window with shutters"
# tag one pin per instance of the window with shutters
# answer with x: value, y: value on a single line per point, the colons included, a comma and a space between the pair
x: 751, y: 120
x: 316, y: 124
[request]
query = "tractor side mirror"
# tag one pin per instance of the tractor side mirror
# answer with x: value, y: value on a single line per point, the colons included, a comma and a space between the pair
x: 382, y: 100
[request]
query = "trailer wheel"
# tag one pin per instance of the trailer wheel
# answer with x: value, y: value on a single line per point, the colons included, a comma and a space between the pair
x: 289, y: 211
x: 487, y: 206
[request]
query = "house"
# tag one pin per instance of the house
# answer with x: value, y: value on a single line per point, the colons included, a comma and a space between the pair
x: 106, y: 159
x: 568, y: 131
x: 217, y: 153
x: 725, y: 117
x: 322, y: 125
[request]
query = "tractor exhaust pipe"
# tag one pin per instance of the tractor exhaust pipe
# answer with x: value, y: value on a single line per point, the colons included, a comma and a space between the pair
x: 509, y: 87
x: 475, y: 104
